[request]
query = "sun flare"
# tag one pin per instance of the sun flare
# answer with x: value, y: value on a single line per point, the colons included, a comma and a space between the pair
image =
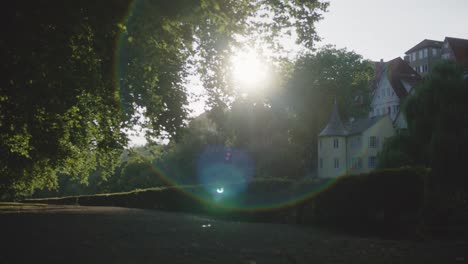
x: 249, y: 70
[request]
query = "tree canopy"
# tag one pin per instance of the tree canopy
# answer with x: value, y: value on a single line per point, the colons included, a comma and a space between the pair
x: 437, y: 126
x: 315, y: 82
x: 79, y: 74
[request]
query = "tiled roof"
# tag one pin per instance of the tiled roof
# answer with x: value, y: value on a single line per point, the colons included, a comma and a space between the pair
x: 334, y: 127
x: 362, y: 124
x: 425, y: 44
x: 460, y: 50
x: 398, y: 70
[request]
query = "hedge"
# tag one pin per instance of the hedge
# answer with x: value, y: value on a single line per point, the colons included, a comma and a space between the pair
x: 386, y: 201
x: 390, y: 200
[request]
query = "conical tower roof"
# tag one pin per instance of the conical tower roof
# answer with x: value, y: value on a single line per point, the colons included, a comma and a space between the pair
x: 334, y: 127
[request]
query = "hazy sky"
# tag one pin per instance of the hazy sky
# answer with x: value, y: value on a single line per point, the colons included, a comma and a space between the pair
x: 385, y: 29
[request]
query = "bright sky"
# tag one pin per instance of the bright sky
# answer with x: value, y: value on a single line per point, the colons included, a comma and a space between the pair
x: 385, y: 29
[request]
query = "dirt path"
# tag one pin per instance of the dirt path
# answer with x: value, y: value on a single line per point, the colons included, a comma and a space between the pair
x: 70, y: 234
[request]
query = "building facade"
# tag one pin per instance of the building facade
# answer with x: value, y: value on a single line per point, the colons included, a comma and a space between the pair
x: 423, y: 56
x: 351, y: 148
x: 395, y: 79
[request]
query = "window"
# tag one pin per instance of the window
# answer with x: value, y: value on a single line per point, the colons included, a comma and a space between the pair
x: 414, y: 56
x: 420, y: 54
x: 389, y: 110
x: 421, y: 68
x: 336, y: 143
x: 434, y: 52
x: 336, y: 163
x: 425, y: 53
x: 321, y: 163
x: 372, y: 162
x: 394, y: 109
x: 425, y: 68
x: 356, y: 163
x: 383, y: 92
x: 373, y: 142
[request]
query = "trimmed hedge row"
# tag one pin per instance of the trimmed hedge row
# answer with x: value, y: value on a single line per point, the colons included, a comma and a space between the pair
x: 381, y: 201
x: 387, y: 201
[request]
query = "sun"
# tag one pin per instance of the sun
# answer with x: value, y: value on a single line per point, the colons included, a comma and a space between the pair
x: 249, y: 71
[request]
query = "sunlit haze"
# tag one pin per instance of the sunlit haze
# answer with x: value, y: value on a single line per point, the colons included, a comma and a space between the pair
x: 376, y: 29
x: 248, y: 70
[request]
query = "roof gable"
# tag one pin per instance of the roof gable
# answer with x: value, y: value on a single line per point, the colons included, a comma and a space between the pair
x: 334, y: 127
x: 397, y: 71
x: 425, y: 44
x: 460, y: 49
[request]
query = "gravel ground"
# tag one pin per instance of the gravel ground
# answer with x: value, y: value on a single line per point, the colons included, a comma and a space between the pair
x: 74, y: 234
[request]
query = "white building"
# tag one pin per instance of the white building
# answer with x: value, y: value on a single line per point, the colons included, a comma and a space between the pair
x: 351, y: 148
x: 394, y: 80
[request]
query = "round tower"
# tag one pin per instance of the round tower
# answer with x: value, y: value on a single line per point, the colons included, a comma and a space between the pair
x: 332, y: 147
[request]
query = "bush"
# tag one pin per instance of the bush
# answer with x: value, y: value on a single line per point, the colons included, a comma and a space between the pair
x: 385, y: 201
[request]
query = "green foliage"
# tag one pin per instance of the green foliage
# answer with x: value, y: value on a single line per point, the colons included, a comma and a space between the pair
x: 259, y: 22
x: 436, y: 120
x: 387, y: 200
x: 398, y: 151
x: 437, y: 135
x: 135, y: 172
x: 68, y: 98
x: 314, y: 83
x: 382, y: 201
x: 179, y: 160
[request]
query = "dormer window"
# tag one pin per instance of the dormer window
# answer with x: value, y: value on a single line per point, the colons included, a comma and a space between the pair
x: 336, y: 143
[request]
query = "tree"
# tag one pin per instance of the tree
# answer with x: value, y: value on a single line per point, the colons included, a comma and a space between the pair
x: 316, y: 81
x: 78, y: 77
x: 179, y: 160
x: 399, y: 151
x: 438, y: 125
